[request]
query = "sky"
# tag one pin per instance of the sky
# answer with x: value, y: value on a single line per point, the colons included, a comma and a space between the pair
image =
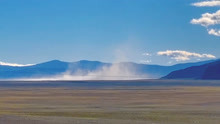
x: 144, y: 31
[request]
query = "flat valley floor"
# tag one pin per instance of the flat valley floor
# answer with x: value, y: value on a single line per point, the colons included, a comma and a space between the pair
x: 122, y: 104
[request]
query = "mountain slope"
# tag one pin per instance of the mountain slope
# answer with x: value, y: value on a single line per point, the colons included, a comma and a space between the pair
x: 207, y: 71
x: 212, y: 71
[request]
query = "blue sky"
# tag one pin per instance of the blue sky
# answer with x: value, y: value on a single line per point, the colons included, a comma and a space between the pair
x: 34, y: 31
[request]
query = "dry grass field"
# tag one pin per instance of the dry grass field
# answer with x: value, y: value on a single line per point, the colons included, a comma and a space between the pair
x: 133, y: 105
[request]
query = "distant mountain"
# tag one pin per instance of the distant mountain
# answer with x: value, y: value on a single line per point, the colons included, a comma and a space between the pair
x: 209, y: 71
x: 57, y: 67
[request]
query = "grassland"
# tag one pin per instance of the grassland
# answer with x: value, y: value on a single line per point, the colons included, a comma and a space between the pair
x: 133, y: 105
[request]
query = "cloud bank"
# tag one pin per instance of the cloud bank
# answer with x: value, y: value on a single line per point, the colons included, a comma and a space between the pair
x: 208, y: 19
x: 180, y: 55
x: 14, y: 64
x: 214, y: 32
x: 210, y: 3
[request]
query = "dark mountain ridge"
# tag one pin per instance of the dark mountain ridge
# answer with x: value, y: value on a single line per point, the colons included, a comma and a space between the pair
x: 209, y: 71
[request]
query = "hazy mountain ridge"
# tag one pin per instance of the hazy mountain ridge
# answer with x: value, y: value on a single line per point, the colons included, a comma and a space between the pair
x: 57, y: 67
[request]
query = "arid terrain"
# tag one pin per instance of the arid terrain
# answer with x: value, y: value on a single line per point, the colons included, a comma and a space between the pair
x: 110, y: 105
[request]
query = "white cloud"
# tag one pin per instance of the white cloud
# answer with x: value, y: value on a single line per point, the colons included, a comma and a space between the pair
x: 208, y: 19
x: 146, y: 54
x: 145, y: 61
x: 209, y: 3
x: 180, y: 55
x: 214, y: 32
x: 14, y: 64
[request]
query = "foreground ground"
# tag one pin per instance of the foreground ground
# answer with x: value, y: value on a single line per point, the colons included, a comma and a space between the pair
x: 122, y: 105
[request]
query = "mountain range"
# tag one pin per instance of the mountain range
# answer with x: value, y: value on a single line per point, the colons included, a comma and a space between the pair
x: 57, y: 67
